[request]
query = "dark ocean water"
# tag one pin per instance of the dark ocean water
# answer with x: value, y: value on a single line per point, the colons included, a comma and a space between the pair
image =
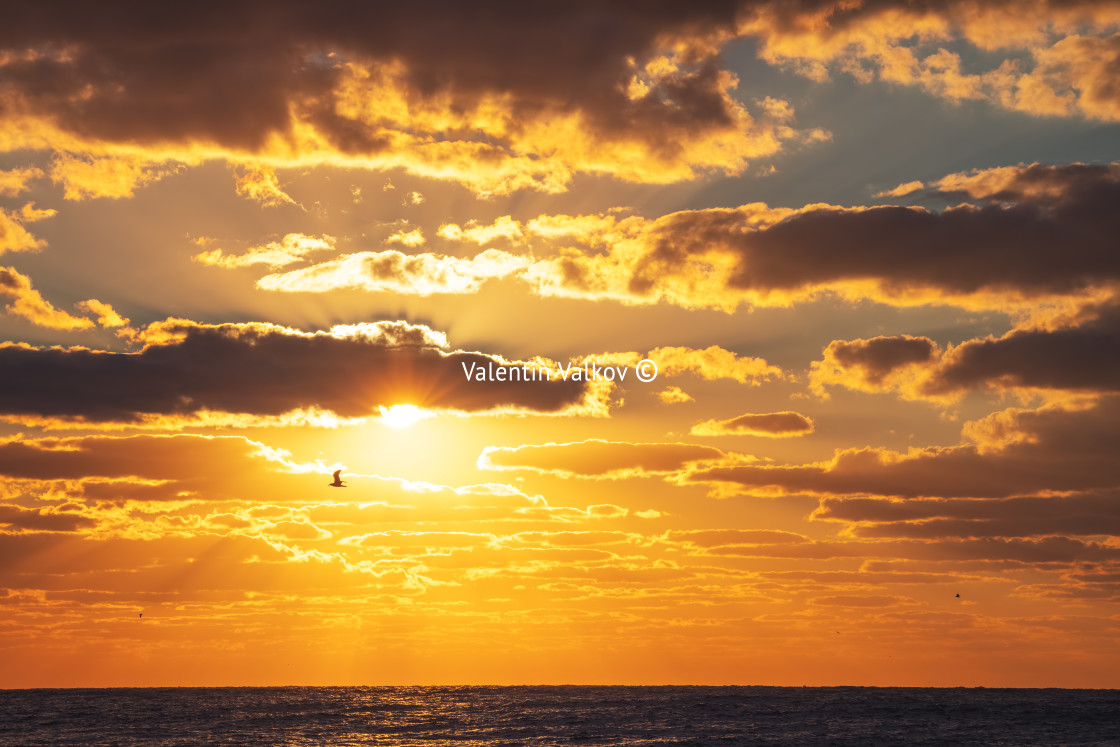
x: 468, y: 716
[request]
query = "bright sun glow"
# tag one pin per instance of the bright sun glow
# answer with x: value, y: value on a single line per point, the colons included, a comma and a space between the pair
x: 401, y: 416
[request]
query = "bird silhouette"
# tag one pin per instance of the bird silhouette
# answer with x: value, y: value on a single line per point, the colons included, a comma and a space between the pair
x: 338, y: 483
x: 141, y: 614
x: 958, y: 596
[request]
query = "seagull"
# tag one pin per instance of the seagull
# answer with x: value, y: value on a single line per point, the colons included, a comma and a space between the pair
x: 338, y: 483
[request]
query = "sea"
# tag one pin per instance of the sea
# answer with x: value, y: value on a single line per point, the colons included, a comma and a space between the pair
x: 560, y: 715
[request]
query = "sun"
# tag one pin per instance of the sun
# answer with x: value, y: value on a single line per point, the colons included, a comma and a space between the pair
x: 401, y: 416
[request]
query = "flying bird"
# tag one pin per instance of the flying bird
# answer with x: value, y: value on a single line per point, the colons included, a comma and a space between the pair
x: 338, y: 483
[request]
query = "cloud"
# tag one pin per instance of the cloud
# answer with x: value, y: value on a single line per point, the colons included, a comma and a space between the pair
x: 14, y: 237
x: 30, y: 304
x: 1031, y: 236
x: 502, y: 228
x: 1083, y: 357
x: 391, y: 271
x: 731, y: 537
x: 868, y: 600
x: 15, y: 181
x: 1044, y: 550
x: 494, y: 100
x: 1029, y: 509
x: 188, y: 368
x: 672, y: 395
x: 294, y: 247
x: 501, y: 102
x: 187, y: 485
x: 106, y: 315
x: 1012, y: 452
x: 901, y: 190
x: 42, y: 520
x: 260, y: 183
x: 1090, y: 514
x: 413, y: 238
x: 1045, y: 58
x: 29, y: 213
x: 138, y: 458
x: 880, y: 364
x: 711, y: 363
x: 1030, y: 248
x: 770, y: 425
x: 596, y: 458
x: 113, y: 177
x: 714, y: 363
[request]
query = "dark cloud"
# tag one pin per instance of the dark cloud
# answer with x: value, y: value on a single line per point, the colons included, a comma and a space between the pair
x: 1082, y: 356
x: 1012, y: 453
x: 1073, y: 183
x: 1059, y: 241
x: 227, y: 72
x: 1085, y: 357
x: 179, y: 457
x: 261, y: 370
x: 880, y: 356
x: 1046, y: 508
x: 1096, y: 513
x: 1022, y: 526
x: 1041, y: 550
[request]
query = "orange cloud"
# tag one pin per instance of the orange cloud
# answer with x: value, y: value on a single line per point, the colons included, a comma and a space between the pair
x: 770, y: 425
x: 502, y: 228
x: 106, y: 315
x: 709, y: 363
x: 13, y: 182
x: 112, y: 177
x: 413, y: 238
x: 391, y: 271
x: 597, y: 458
x: 901, y: 190
x: 30, y: 304
x: 260, y: 183
x: 714, y: 363
x: 294, y: 247
x: 14, y: 237
x: 672, y: 395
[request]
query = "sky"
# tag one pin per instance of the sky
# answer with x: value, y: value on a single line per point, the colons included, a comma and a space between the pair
x: 813, y: 309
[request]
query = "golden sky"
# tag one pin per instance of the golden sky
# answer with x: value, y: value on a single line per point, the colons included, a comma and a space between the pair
x: 870, y: 249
